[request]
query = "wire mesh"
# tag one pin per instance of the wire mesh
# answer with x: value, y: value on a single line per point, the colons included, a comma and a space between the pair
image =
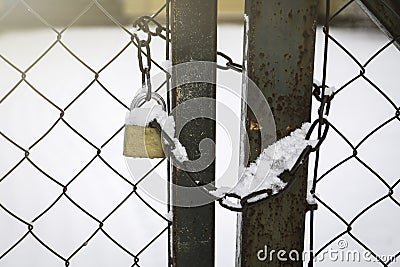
x: 96, y: 155
x: 355, y: 163
x: 326, y: 102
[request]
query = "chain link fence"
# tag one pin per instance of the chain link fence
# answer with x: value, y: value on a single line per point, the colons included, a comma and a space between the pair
x: 355, y: 174
x: 63, y: 193
x: 70, y: 186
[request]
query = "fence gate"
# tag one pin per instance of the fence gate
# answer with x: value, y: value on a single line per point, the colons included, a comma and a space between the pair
x: 68, y: 198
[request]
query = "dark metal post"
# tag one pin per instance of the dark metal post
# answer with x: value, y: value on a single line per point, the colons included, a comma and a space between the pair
x: 386, y: 15
x: 193, y: 36
x: 280, y: 58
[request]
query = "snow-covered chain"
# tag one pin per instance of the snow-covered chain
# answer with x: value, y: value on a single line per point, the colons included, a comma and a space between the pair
x: 263, y: 174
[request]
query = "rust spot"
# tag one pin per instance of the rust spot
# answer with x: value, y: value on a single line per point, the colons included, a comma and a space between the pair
x: 287, y: 56
x: 254, y: 126
x: 290, y: 15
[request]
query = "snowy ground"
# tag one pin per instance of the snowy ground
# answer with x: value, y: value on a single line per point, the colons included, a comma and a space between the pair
x: 25, y: 116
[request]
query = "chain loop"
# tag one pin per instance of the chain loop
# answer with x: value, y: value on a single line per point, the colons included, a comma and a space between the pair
x: 143, y: 24
x: 229, y: 64
x: 145, y: 65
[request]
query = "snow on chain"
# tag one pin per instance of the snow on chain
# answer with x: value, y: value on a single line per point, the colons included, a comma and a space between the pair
x: 261, y: 174
x: 273, y: 161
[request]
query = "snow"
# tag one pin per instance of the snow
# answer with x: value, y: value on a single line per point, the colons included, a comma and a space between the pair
x: 231, y: 203
x: 143, y: 116
x: 272, y: 162
x: 179, y: 151
x: 169, y: 216
x: 330, y: 90
x: 220, y: 191
x: 310, y: 198
x: 259, y: 197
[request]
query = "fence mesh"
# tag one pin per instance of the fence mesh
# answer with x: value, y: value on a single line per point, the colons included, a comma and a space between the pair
x: 87, y: 208
x: 359, y: 167
x: 381, y: 187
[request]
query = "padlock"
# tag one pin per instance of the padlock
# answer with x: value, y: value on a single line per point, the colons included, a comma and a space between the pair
x: 142, y: 141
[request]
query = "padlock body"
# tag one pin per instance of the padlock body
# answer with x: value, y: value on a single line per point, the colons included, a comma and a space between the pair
x: 142, y: 142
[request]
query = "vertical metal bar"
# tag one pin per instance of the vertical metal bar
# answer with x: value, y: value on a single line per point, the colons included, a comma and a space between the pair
x: 386, y: 15
x: 280, y: 58
x: 167, y: 57
x: 193, y: 36
x: 317, y: 154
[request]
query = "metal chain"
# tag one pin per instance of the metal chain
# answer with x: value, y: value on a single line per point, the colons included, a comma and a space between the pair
x: 229, y: 64
x: 145, y: 67
x: 325, y: 100
x: 322, y: 126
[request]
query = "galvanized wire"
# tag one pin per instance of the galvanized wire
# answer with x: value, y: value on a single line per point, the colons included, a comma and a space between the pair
x: 322, y: 125
x: 327, y: 104
x: 63, y: 187
x: 323, y: 128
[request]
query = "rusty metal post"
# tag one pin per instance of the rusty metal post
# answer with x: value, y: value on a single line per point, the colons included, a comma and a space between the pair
x: 280, y: 57
x: 193, y: 36
x: 386, y: 15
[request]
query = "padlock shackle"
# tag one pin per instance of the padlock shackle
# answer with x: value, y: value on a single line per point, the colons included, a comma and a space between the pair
x: 140, y: 99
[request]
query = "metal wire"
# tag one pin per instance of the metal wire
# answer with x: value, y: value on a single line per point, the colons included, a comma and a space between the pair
x: 324, y: 127
x: 324, y: 109
x: 149, y: 25
x: 97, y: 155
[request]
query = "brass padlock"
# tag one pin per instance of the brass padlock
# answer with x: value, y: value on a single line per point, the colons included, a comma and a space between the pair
x: 141, y: 141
